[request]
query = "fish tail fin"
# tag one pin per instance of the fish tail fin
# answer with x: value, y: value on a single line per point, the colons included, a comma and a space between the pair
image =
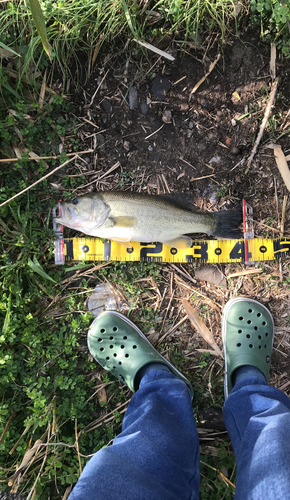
x: 227, y: 224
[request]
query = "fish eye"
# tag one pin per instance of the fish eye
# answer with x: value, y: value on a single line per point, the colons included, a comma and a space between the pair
x: 75, y: 201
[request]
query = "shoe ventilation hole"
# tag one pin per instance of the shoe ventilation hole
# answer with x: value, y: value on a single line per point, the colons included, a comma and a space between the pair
x: 115, y: 329
x: 114, y: 368
x: 121, y: 378
x: 239, y: 344
x: 115, y: 355
x: 125, y: 337
x: 259, y: 314
x: 263, y: 323
x: 241, y: 318
x: 122, y: 346
x: 134, y: 347
x: 248, y: 336
x: 120, y: 362
x: 100, y: 340
x: 111, y: 346
x: 260, y: 347
x: 240, y: 331
x: 249, y: 321
x: 259, y: 337
x: 111, y: 338
x: 102, y: 349
x: 103, y: 330
x: 126, y: 355
x: 107, y: 358
x: 255, y: 328
x: 266, y: 334
x: 251, y: 345
x: 250, y: 310
x: 265, y: 346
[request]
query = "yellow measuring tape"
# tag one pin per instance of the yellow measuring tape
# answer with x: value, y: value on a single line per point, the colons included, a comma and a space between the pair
x: 212, y: 251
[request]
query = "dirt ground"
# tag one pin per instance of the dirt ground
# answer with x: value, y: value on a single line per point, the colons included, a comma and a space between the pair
x: 194, y: 144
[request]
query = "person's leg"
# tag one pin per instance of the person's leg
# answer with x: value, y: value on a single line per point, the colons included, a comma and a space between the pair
x: 256, y: 415
x: 156, y: 455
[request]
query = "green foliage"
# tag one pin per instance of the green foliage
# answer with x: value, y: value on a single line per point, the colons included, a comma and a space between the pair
x: 273, y: 16
x: 217, y: 473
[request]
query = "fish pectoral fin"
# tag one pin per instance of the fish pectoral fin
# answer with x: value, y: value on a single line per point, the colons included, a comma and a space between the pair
x: 181, y: 242
x: 124, y: 242
x: 125, y: 221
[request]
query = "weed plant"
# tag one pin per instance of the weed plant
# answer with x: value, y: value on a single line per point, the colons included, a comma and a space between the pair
x: 77, y: 30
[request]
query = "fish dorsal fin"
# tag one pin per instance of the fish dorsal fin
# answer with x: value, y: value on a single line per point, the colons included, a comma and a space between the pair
x: 125, y: 221
x: 181, y: 200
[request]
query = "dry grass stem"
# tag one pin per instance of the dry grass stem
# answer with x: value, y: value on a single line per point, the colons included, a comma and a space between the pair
x: 285, y: 200
x: 263, y: 124
x: 205, y: 76
x: 245, y: 273
x: 201, y: 327
x: 102, y: 176
x: 155, y: 49
x: 153, y: 133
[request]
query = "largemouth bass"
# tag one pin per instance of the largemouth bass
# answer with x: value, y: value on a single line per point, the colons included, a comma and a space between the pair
x: 125, y: 216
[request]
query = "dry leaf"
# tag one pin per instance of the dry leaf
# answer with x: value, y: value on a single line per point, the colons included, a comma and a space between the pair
x: 201, y: 327
x: 102, y: 396
x: 282, y: 166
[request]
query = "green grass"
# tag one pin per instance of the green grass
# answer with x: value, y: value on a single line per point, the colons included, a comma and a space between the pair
x: 78, y: 30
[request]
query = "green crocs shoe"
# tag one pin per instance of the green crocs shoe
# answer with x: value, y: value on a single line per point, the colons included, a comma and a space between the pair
x: 248, y: 335
x: 122, y: 349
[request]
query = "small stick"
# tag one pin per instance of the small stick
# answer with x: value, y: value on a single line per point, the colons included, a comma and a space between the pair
x: 285, y: 199
x: 263, y: 124
x: 37, y: 182
x: 37, y: 158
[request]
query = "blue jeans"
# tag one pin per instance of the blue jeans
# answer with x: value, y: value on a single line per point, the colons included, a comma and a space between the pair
x: 156, y: 456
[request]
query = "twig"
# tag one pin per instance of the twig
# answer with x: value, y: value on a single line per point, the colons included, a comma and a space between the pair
x: 38, y: 158
x: 37, y: 182
x: 263, y: 124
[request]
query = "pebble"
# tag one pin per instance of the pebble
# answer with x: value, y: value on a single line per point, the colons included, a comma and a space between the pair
x: 144, y: 108
x: 204, y: 104
x: 167, y: 116
x: 106, y: 106
x: 101, y: 141
x: 133, y: 98
x: 126, y: 145
x: 233, y: 122
x: 189, y: 133
x: 190, y: 125
x: 160, y: 87
x: 87, y: 159
x: 150, y: 148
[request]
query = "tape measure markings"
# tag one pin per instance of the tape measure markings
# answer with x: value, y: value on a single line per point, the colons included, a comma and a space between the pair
x: 203, y: 251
